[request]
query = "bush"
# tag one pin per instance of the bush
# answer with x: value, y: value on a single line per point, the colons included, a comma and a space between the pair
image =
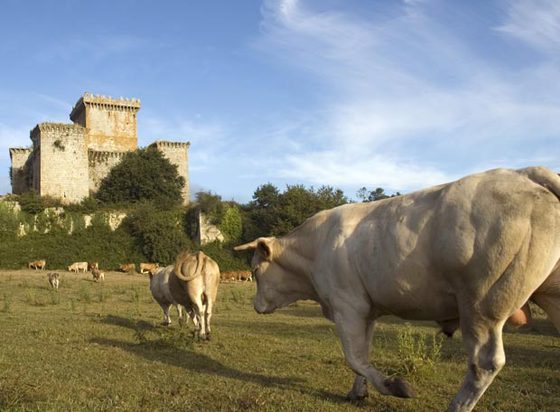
x: 158, y: 233
x: 9, y: 223
x: 224, y: 256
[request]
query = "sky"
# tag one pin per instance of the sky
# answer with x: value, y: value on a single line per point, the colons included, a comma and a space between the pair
x: 394, y: 94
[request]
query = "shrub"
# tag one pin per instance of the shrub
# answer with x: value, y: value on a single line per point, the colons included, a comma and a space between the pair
x: 9, y: 223
x: 158, y: 233
x: 224, y: 256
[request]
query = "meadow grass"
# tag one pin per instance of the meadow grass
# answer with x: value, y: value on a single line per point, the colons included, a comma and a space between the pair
x: 99, y: 346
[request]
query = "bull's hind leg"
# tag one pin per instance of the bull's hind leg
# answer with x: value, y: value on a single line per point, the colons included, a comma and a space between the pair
x: 166, y: 317
x: 199, y: 321
x: 483, y: 341
x: 208, y: 315
x: 352, y: 330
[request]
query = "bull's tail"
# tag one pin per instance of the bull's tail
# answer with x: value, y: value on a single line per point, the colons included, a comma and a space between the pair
x: 189, y: 265
x: 543, y: 177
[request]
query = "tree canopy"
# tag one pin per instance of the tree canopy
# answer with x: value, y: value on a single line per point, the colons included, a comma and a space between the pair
x: 143, y: 175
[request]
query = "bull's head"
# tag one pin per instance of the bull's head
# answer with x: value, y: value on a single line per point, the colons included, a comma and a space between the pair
x: 278, y: 284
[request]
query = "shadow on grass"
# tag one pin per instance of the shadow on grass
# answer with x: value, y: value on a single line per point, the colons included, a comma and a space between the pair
x: 128, y: 323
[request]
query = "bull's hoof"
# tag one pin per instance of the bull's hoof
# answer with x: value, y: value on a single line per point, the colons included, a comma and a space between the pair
x: 400, y: 388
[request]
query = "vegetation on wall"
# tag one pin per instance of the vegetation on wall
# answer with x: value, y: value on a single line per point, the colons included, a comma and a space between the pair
x: 143, y: 175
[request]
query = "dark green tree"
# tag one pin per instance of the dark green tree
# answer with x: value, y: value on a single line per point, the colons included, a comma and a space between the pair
x: 143, y: 175
x: 372, y: 196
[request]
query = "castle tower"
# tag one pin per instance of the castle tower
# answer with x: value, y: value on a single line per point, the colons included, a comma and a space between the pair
x: 20, y: 169
x: 110, y: 123
x: 60, y: 161
x: 178, y: 154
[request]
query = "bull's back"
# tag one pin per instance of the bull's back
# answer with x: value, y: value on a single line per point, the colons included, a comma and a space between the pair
x: 414, y: 254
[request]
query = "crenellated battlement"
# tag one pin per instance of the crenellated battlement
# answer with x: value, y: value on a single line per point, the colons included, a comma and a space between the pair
x: 95, y: 156
x: 20, y: 151
x: 106, y: 103
x: 166, y: 143
x: 55, y: 127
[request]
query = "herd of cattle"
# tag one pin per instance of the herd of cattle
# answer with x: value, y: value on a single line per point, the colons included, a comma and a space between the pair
x: 469, y: 254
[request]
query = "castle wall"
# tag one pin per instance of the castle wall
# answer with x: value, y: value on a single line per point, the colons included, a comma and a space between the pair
x: 20, y: 169
x: 178, y: 154
x: 61, y: 167
x: 100, y: 164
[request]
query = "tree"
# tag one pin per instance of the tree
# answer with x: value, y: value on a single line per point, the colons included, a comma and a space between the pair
x: 144, y: 174
x: 377, y: 194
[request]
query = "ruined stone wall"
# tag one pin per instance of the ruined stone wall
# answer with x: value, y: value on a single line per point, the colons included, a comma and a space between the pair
x: 61, y: 165
x: 111, y: 123
x: 178, y: 154
x: 20, y: 172
x: 100, y: 164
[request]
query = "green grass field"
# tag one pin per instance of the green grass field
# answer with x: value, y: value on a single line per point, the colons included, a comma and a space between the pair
x: 100, y: 346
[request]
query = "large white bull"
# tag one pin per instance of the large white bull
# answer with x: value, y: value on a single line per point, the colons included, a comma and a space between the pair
x: 473, y: 251
x: 193, y: 283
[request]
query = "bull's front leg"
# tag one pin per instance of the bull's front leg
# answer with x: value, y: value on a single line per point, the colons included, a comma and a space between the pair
x: 355, y: 332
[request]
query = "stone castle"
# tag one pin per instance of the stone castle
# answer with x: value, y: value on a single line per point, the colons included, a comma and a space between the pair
x: 69, y: 161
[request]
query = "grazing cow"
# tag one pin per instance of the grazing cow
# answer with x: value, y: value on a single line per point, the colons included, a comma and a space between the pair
x: 37, y: 264
x: 474, y: 251
x: 54, y: 279
x: 160, y: 288
x: 97, y: 274
x: 127, y: 267
x: 78, y: 267
x: 93, y: 265
x: 241, y: 275
x: 148, y: 267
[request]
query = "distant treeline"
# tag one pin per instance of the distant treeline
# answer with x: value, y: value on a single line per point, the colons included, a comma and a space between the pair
x: 157, y: 227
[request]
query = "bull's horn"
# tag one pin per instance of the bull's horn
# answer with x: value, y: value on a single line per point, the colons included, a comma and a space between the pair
x: 247, y: 246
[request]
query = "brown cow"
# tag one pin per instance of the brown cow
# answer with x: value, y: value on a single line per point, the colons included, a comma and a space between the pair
x: 127, y: 267
x: 148, y: 267
x: 37, y: 264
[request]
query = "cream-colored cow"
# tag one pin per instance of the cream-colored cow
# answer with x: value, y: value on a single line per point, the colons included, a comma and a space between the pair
x: 472, y: 251
x: 192, y: 283
x: 78, y: 267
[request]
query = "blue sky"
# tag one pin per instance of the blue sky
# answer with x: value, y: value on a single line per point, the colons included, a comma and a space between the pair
x: 394, y: 94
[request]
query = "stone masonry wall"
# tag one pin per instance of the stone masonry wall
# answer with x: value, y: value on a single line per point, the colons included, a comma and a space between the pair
x: 100, y: 164
x: 63, y: 168
x: 20, y: 172
x: 111, y: 123
x: 178, y: 154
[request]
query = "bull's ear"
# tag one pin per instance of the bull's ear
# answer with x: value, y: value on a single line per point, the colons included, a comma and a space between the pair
x: 264, y: 247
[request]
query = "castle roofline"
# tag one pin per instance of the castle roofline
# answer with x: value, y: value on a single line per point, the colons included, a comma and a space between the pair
x: 19, y: 150
x: 106, y: 101
x: 55, y: 127
x: 167, y: 143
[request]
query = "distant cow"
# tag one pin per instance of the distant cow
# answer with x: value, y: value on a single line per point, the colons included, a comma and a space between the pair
x: 470, y: 252
x: 148, y: 267
x: 93, y: 265
x: 97, y: 274
x: 54, y: 279
x: 37, y: 264
x: 127, y: 267
x: 241, y: 275
x: 78, y: 267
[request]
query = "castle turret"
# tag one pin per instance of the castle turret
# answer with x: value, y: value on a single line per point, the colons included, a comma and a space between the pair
x: 19, y: 172
x: 110, y: 123
x: 60, y: 163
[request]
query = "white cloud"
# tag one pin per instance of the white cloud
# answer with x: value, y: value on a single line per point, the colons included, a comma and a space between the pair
x: 536, y: 22
x: 406, y: 101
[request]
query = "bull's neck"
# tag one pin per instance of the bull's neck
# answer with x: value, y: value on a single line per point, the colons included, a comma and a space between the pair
x: 295, y: 260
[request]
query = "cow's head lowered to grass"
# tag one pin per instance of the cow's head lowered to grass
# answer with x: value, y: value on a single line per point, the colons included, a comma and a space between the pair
x: 278, y: 283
